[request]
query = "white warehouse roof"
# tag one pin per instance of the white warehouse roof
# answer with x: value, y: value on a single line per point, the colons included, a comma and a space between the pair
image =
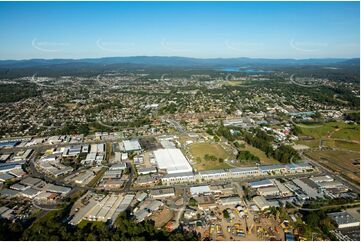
x: 131, y: 145
x: 172, y: 160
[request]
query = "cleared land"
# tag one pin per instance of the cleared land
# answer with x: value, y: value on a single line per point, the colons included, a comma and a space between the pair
x: 337, y: 135
x: 199, y: 150
x: 339, y: 161
x: 344, y: 141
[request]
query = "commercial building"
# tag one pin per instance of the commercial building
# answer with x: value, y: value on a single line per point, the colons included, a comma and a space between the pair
x: 6, y: 213
x: 273, y: 169
x: 283, y: 190
x: 244, y: 171
x: 261, y: 202
x: 308, y: 190
x: 6, y: 167
x: 141, y: 214
x: 261, y: 183
x: 178, y: 178
x: 19, y: 187
x: 318, y: 179
x: 31, y: 181
x: 162, y: 193
x: 103, y: 211
x: 268, y: 191
x: 146, y: 170
x: 172, y: 160
x: 330, y: 184
x: 84, y: 177
x: 30, y: 193
x: 113, y: 174
x: 119, y: 166
x: 214, y: 174
x: 195, y: 191
x: 57, y: 189
x: 233, y: 200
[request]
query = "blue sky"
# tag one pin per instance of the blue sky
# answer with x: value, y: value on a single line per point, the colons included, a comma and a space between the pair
x: 194, y: 29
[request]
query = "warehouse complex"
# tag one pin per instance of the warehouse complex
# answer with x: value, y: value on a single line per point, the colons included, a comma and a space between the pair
x: 172, y: 160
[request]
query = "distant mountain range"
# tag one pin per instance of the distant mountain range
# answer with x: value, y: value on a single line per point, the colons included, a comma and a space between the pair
x: 157, y: 64
x: 174, y: 61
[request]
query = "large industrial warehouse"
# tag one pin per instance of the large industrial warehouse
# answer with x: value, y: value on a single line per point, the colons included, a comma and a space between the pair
x: 172, y: 160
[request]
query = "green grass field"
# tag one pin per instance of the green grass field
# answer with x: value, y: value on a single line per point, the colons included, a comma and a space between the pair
x: 334, y: 134
x: 199, y: 150
x: 261, y: 155
x: 338, y: 130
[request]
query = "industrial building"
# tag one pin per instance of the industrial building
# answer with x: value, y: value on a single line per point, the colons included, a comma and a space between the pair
x: 261, y: 202
x: 130, y: 145
x: 261, y: 183
x: 172, y: 160
x: 162, y: 193
x: 179, y: 177
x: 344, y: 219
x: 195, y: 191
x: 268, y: 191
x: 105, y: 210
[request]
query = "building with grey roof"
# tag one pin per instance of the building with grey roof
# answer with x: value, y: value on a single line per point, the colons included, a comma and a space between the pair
x: 261, y: 202
x: 140, y: 196
x: 119, y: 166
x: 146, y: 170
x: 125, y: 203
x: 344, y: 219
x: 214, y: 174
x: 244, y: 171
x: 179, y: 178
x: 6, y: 176
x: 278, y: 168
x: 30, y: 193
x: 131, y: 145
x: 197, y: 190
x: 57, y: 189
x: 318, y: 179
x: 78, y: 217
x: 141, y: 214
x: 31, y: 181
x: 233, y: 200
x: 261, y: 183
x: 310, y: 192
x: 8, y: 193
x: 162, y: 193
x: 154, y: 206
x: 19, y: 187
x: 268, y: 191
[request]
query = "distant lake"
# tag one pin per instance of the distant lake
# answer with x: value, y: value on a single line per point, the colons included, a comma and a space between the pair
x: 236, y: 69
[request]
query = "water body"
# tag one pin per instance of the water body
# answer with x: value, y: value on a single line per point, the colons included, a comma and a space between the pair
x: 252, y: 71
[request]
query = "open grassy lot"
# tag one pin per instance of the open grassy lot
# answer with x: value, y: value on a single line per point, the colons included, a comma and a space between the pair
x: 235, y: 83
x: 199, y: 150
x: 343, y: 145
x: 339, y: 130
x: 260, y: 154
x: 339, y: 161
x: 337, y: 135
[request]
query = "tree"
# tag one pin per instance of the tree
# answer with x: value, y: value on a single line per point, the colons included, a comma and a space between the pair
x: 225, y: 214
